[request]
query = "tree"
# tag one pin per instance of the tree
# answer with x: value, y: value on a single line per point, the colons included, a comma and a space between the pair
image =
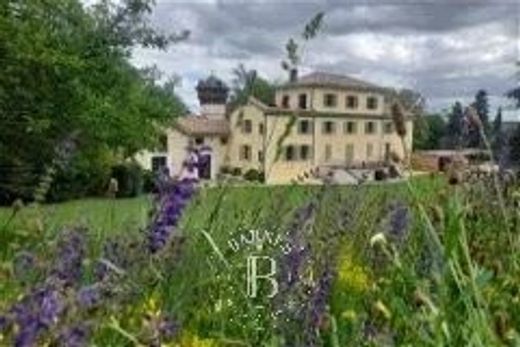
x: 481, y: 106
x: 515, y: 92
x: 514, y: 146
x: 65, y: 70
x: 247, y: 83
x: 497, y: 122
x: 455, y: 128
x: 499, y: 141
x: 428, y: 132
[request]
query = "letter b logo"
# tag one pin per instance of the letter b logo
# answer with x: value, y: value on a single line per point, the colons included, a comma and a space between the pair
x: 253, y: 275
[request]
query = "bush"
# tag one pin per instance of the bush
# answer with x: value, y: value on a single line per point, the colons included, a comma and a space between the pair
x: 225, y: 170
x: 236, y: 171
x: 86, y: 175
x: 254, y: 175
x: 148, y: 181
x: 130, y: 179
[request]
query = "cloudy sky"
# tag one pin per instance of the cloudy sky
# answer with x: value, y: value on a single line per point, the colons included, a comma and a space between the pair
x: 446, y: 49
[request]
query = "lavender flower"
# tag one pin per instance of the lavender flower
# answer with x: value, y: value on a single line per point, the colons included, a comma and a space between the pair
x: 316, y: 308
x: 398, y: 221
x: 23, y: 263
x: 4, y: 323
x: 89, y: 297
x: 114, y: 253
x: 168, y: 328
x: 75, y: 336
x: 70, y: 253
x: 50, y: 308
x: 36, y: 313
x: 28, y: 335
x: 172, y: 200
x: 295, y: 256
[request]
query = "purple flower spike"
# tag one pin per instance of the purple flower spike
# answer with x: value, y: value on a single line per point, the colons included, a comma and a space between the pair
x: 89, y: 297
x: 68, y: 264
x: 27, y: 335
x: 4, y: 322
x: 76, y: 336
x: 172, y: 199
x: 168, y: 328
x: 23, y: 262
x: 51, y: 307
x: 398, y: 221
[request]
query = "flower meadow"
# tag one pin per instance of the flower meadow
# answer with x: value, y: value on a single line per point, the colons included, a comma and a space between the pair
x: 423, y: 262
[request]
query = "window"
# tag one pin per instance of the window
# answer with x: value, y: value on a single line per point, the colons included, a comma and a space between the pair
x: 371, y: 102
x: 247, y: 126
x: 285, y: 101
x: 349, y: 153
x: 245, y: 153
x: 260, y: 156
x: 302, y: 101
x: 330, y: 100
x: 261, y: 128
x: 388, y: 150
x: 199, y: 140
x: 163, y: 143
x: 158, y: 162
x: 370, y: 128
x: 290, y: 153
x: 352, y: 101
x: 305, y: 152
x: 328, y: 127
x: 389, y: 127
x: 304, y: 127
x: 370, y: 150
x: 349, y: 127
x: 328, y: 152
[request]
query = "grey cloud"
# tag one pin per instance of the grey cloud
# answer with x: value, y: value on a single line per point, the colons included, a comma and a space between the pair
x: 439, y: 44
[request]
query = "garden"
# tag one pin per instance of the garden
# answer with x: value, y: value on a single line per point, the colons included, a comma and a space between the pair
x: 152, y: 260
x: 415, y: 263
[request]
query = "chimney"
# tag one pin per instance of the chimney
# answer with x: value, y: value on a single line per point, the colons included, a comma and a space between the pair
x: 293, y: 75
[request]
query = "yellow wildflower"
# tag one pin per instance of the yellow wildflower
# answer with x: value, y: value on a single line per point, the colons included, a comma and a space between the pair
x: 351, y: 274
x: 349, y: 315
x: 190, y: 340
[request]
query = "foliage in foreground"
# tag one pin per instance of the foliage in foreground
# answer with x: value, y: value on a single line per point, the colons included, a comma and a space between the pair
x: 64, y: 70
x: 425, y: 265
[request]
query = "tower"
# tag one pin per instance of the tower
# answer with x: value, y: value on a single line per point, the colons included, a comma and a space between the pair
x: 212, y: 93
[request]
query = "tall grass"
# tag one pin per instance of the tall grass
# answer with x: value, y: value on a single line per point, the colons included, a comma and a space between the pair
x: 443, y: 280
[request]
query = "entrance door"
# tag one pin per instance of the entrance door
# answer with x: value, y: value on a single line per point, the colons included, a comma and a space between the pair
x: 205, y: 167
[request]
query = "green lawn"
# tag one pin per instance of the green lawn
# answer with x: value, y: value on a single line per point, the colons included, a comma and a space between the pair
x: 104, y: 216
x: 99, y: 215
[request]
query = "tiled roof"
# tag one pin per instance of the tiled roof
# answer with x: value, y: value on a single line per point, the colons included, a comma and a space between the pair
x: 333, y: 80
x: 200, y: 125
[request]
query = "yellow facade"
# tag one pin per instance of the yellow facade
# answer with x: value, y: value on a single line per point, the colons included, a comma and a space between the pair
x: 318, y: 121
x: 335, y: 133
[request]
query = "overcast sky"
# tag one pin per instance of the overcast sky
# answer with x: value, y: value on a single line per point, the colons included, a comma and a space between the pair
x: 446, y: 49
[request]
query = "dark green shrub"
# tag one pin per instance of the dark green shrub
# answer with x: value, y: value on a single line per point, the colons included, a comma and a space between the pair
x: 225, y: 170
x: 254, y: 175
x: 236, y: 171
x: 85, y: 175
x: 129, y: 177
x: 148, y: 181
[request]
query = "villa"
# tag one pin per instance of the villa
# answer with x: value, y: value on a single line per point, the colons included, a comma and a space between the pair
x: 320, y: 120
